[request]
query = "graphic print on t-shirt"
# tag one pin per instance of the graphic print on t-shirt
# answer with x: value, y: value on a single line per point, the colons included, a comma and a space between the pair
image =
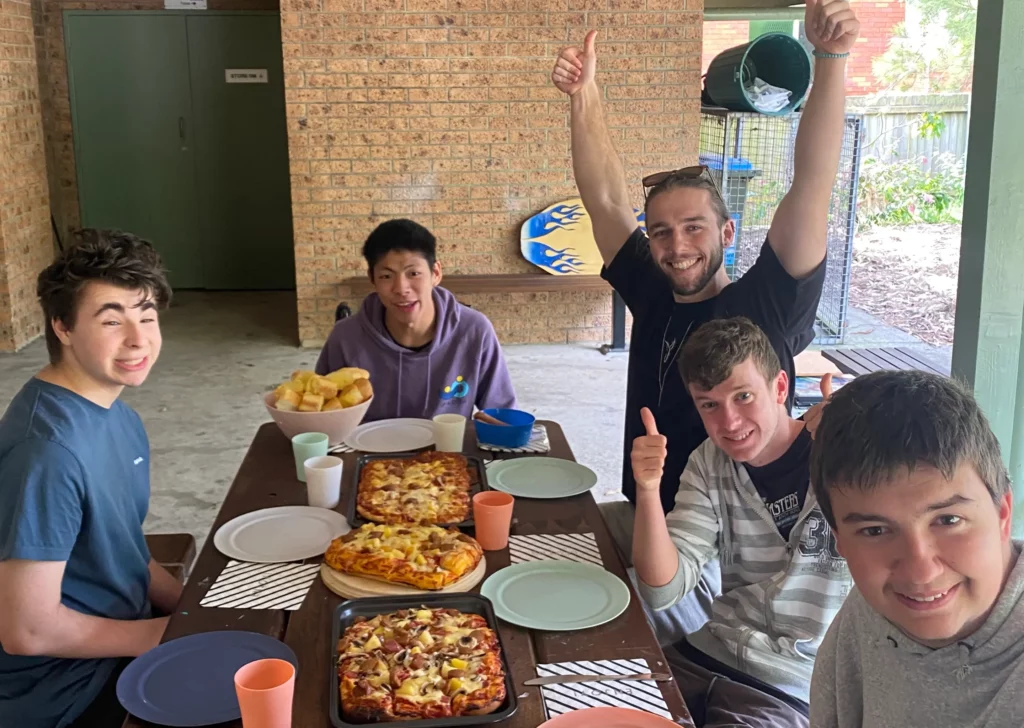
x: 785, y: 511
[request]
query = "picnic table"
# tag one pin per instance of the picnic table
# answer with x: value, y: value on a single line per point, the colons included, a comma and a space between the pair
x: 266, y: 479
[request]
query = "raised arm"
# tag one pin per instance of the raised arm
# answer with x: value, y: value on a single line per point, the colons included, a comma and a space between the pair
x: 33, y: 621
x: 595, y: 163
x: 799, y: 229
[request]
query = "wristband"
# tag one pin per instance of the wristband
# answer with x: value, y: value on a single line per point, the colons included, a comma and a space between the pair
x: 823, y: 54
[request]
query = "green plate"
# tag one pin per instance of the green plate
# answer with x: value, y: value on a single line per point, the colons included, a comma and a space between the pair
x: 556, y: 595
x: 540, y: 477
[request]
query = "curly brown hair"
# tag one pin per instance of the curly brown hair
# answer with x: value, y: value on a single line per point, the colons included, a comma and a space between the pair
x: 107, y: 256
x: 713, y: 350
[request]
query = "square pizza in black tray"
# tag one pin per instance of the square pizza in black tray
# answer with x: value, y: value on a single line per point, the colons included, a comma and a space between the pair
x: 477, y: 483
x: 345, y: 615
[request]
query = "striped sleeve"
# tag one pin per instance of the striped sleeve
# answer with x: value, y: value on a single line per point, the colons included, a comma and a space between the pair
x: 693, y: 526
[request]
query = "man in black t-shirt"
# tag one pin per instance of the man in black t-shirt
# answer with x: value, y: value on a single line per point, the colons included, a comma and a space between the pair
x: 674, y: 280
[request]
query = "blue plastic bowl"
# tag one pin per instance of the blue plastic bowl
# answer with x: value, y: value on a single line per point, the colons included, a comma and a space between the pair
x: 515, y: 434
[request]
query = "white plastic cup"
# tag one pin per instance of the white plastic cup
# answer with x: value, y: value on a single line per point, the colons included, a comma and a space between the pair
x: 449, y: 433
x: 323, y: 481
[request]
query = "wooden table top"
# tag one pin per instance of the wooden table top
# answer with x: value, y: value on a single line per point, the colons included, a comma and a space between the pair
x: 266, y: 479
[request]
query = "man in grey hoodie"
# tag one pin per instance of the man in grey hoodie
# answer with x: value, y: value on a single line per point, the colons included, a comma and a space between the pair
x: 427, y: 354
x: 910, y: 477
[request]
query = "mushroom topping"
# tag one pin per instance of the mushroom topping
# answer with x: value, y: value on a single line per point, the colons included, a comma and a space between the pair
x: 362, y: 688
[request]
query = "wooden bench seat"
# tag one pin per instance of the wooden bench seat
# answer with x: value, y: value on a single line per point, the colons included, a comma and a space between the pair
x: 517, y: 283
x: 176, y: 552
x: 866, y: 360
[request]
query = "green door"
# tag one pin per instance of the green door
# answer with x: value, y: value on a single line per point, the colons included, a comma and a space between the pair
x: 242, y: 173
x: 168, y: 149
x: 130, y: 103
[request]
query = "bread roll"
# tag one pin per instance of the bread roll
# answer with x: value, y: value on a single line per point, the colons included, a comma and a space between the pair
x: 322, y: 385
x: 289, y: 400
x: 311, y: 403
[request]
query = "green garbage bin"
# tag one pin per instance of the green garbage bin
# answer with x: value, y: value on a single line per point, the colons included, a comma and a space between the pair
x: 775, y: 58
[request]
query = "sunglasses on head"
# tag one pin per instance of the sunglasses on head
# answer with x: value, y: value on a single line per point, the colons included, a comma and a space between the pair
x: 695, y: 172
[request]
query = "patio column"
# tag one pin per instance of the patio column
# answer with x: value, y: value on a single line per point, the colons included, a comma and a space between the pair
x: 990, y: 295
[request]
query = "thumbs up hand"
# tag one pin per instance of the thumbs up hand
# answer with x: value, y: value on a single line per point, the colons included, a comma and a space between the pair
x: 648, y: 456
x: 812, y: 418
x: 575, y: 66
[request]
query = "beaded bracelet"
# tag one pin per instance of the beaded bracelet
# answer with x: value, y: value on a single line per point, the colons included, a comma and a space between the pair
x: 823, y: 54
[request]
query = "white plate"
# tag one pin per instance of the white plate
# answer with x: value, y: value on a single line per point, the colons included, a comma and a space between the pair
x: 276, y: 535
x: 398, y: 435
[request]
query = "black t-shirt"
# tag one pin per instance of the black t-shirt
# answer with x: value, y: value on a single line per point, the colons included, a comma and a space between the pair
x: 784, y: 307
x: 782, y: 484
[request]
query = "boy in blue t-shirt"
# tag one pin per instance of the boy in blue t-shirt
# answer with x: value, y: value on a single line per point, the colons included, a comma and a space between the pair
x: 78, y: 588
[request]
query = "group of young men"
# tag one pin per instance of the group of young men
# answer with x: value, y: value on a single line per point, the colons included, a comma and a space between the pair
x: 854, y: 568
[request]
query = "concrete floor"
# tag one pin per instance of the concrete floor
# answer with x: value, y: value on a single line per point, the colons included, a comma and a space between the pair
x: 202, y: 404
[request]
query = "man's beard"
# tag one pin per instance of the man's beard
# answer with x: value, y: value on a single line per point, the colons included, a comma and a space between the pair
x: 710, y: 271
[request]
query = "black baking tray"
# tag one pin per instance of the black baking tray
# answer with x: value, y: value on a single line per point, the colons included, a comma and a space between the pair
x: 346, y: 613
x: 477, y: 483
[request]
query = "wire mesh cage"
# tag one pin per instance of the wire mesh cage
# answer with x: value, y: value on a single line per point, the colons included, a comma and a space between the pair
x: 751, y: 158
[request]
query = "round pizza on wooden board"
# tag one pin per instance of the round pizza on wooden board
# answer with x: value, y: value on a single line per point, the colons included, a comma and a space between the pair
x: 359, y: 587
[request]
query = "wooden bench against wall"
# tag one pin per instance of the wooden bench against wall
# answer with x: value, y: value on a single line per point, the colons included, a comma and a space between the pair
x: 515, y: 283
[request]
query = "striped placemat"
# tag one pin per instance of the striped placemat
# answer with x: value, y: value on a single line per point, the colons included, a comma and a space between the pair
x: 580, y: 547
x: 538, y: 443
x: 243, y: 585
x: 639, y: 694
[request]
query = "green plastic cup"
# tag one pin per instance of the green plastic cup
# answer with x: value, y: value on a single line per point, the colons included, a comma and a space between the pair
x: 305, y: 446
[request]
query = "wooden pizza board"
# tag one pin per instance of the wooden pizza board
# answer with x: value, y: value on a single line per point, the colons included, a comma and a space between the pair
x: 358, y: 587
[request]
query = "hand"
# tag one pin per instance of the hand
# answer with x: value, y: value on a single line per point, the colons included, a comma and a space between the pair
x: 812, y: 417
x: 831, y: 25
x: 648, y: 456
x: 576, y: 67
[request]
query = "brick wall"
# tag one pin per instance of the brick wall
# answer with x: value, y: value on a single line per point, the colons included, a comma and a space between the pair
x: 720, y: 35
x: 443, y: 111
x: 25, y: 242
x: 877, y: 21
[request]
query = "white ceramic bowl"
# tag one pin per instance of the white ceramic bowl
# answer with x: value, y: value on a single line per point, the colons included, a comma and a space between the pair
x: 336, y: 424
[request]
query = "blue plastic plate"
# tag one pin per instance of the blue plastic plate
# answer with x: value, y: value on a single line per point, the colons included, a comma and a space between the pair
x: 191, y: 681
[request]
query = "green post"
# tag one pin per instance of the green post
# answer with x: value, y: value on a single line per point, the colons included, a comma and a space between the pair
x: 990, y: 297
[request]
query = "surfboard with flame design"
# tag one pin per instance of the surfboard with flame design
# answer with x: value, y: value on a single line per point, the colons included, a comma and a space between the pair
x: 560, y: 239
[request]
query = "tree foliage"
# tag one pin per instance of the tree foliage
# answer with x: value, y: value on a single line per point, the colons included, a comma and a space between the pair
x: 938, y: 56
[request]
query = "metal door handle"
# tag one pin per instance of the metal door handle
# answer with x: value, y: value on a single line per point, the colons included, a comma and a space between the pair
x: 181, y: 127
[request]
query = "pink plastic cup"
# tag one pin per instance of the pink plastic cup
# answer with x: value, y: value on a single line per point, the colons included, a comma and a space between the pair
x: 492, y: 514
x: 265, y: 689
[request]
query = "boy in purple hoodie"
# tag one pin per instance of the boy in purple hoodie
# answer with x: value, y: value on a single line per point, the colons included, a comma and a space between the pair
x: 427, y: 354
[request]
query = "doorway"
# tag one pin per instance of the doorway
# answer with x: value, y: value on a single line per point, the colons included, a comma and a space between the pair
x: 180, y: 137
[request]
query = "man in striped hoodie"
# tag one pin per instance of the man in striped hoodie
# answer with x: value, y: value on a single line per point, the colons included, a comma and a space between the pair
x: 743, y: 499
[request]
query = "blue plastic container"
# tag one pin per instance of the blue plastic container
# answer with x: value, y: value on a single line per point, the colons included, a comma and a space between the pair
x: 514, y: 434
